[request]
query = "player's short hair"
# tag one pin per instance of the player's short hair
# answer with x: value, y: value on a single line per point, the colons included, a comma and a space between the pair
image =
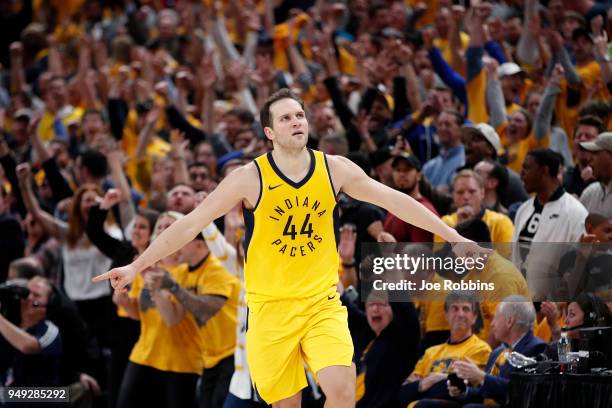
x: 265, y: 116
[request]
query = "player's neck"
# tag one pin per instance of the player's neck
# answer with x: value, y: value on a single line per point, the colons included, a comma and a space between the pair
x: 292, y: 163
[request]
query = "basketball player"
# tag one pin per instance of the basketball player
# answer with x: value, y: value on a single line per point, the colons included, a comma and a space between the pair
x: 291, y: 258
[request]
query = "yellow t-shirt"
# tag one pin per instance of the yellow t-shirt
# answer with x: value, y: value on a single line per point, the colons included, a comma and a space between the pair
x: 590, y: 75
x: 542, y: 329
x: 432, y: 310
x: 290, y: 236
x: 433, y: 6
x: 508, y: 281
x: 45, y: 126
x: 175, y: 349
x: 219, y: 332
x: 518, y: 150
x: 437, y: 359
x: 512, y: 108
x: 157, y: 148
x: 65, y: 8
x: 280, y: 34
x: 444, y: 46
x: 477, y: 99
x: 500, y: 225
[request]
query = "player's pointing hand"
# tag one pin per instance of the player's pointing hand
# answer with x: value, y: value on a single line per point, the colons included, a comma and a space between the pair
x: 470, y: 249
x: 119, y: 277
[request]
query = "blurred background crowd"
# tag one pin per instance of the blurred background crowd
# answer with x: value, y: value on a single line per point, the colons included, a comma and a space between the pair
x: 118, y: 117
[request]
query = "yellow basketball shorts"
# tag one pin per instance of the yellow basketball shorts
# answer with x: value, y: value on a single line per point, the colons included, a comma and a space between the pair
x: 282, y: 335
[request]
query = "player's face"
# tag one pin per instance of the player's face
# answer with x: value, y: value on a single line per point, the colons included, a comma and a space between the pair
x: 460, y: 316
x: 289, y: 125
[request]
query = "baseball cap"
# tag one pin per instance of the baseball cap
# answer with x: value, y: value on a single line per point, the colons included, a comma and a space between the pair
x: 602, y: 142
x: 508, y: 69
x: 486, y: 131
x: 569, y: 14
x: 581, y: 32
x: 380, y: 156
x: 412, y: 160
x: 23, y: 113
x: 390, y: 32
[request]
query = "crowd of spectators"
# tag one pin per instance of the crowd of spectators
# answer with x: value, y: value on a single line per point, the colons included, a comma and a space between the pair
x: 117, y: 117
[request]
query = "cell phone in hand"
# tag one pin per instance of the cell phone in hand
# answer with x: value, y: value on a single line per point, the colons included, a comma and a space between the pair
x: 455, y: 381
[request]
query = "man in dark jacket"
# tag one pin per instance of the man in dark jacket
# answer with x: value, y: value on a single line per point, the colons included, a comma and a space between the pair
x: 386, y: 339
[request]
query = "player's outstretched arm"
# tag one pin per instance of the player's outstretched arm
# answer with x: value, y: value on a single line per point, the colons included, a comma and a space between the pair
x: 235, y: 187
x: 349, y: 177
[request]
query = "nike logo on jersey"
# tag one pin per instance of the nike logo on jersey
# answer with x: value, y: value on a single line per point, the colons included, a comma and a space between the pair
x: 331, y: 297
x: 273, y: 187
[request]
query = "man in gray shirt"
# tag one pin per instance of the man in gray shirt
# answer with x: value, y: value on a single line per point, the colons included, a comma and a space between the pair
x: 597, y: 197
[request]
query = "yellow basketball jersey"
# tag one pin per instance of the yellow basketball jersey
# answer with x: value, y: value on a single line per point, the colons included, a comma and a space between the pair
x: 291, y: 240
